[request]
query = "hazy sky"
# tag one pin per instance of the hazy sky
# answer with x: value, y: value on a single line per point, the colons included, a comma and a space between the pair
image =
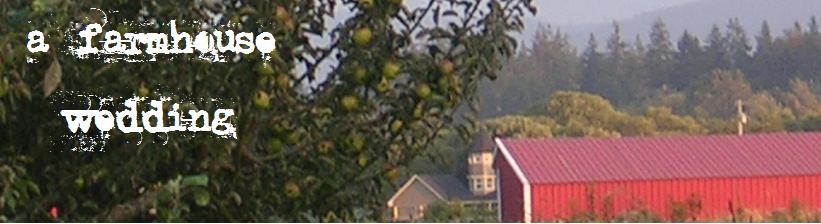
x: 573, y: 12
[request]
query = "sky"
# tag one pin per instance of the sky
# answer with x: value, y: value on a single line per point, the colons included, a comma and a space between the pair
x: 575, y: 12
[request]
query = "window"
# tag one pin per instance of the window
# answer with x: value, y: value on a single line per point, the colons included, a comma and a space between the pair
x: 490, y: 184
x: 478, y: 185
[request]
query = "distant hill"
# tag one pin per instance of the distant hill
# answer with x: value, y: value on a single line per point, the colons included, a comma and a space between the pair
x: 698, y: 17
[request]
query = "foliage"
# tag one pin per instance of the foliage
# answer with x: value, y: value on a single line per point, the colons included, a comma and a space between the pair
x: 718, y: 98
x: 458, y: 212
x: 575, y: 114
x: 521, y: 127
x: 696, y: 77
x: 297, y: 159
x: 548, y: 65
x: 669, y: 123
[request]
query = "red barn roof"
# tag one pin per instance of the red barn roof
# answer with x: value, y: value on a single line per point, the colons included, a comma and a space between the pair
x: 624, y: 159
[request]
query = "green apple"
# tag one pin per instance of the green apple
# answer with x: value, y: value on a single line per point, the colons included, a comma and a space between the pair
x: 360, y: 75
x: 423, y: 91
x: 443, y: 84
x: 383, y: 86
x: 390, y: 70
x: 142, y: 91
x: 392, y: 174
x: 366, y: 4
x: 79, y: 183
x: 261, y: 100
x: 350, y: 103
x: 362, y: 160
x: 396, y: 126
x: 356, y: 142
x: 362, y: 37
x: 275, y: 145
x: 265, y: 69
x: 292, y: 190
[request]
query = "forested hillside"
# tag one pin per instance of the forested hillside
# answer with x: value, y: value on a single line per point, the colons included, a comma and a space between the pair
x: 697, y: 17
x: 774, y: 73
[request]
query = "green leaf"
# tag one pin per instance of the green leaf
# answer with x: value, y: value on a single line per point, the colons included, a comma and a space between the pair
x: 54, y: 74
x: 197, y: 180
x: 201, y: 197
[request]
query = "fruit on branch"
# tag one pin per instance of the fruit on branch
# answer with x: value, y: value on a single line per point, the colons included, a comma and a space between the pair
x: 362, y: 37
x: 261, y: 100
x: 423, y: 91
x: 390, y: 70
x: 446, y: 67
x: 264, y: 69
x: 350, y: 103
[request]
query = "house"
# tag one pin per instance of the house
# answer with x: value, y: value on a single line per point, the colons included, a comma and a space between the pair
x: 549, y: 179
x: 421, y: 191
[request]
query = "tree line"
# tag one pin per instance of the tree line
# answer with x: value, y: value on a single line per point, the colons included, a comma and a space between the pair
x: 775, y: 75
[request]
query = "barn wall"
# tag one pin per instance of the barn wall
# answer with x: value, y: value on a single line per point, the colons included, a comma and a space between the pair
x: 511, y: 198
x: 764, y: 194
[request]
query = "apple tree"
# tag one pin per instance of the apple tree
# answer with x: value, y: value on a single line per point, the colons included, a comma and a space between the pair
x: 354, y: 91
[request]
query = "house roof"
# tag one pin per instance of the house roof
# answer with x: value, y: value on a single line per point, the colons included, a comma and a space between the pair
x: 546, y: 161
x: 483, y: 142
x: 446, y: 187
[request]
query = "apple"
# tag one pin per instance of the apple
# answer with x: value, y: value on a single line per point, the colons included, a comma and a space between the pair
x: 360, y: 75
x: 396, y: 126
x: 275, y: 145
x: 362, y: 161
x: 79, y: 183
x: 264, y: 69
x: 142, y: 91
x: 390, y: 70
x: 392, y: 174
x: 291, y: 190
x: 443, y: 84
x: 362, y: 37
x: 357, y: 142
x: 383, y: 86
x: 366, y: 4
x: 446, y: 67
x: 423, y: 91
x: 417, y: 111
x: 350, y: 103
x: 261, y: 100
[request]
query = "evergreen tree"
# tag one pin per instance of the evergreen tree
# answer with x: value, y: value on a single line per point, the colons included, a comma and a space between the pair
x: 592, y: 61
x: 661, y: 47
x: 764, y: 40
x: 690, y: 62
x: 660, y: 54
x: 717, y: 50
x: 616, y: 47
x: 763, y: 71
x: 738, y: 45
x: 613, y: 84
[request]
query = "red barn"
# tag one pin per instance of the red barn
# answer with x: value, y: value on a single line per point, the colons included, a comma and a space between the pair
x: 549, y: 179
